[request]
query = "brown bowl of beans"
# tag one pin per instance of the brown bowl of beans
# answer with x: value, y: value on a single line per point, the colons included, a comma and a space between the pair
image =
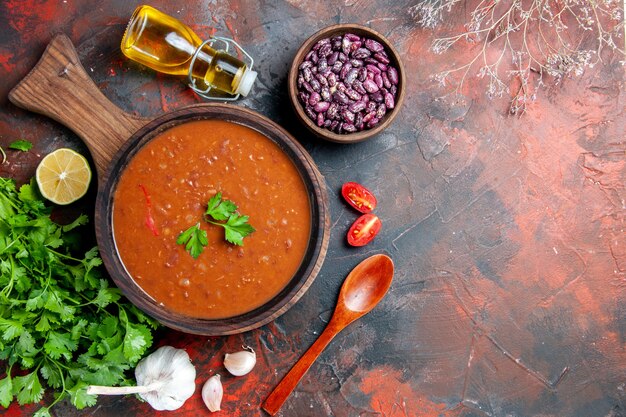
x: 346, y: 83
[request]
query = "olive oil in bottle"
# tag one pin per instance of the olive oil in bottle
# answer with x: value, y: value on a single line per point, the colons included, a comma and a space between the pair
x: 163, y: 43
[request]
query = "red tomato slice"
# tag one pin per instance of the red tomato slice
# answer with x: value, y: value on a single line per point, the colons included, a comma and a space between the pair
x: 364, y: 229
x: 358, y: 197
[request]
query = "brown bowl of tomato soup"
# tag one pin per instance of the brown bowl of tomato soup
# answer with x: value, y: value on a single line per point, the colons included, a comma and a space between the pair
x: 159, y: 186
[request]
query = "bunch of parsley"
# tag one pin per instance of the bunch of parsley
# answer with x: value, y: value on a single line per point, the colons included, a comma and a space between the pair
x: 61, y: 325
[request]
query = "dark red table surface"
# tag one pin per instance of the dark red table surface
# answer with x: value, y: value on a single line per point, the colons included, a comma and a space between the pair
x: 507, y: 232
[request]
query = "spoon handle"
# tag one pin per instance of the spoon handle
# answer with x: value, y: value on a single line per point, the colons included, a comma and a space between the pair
x: 276, y: 399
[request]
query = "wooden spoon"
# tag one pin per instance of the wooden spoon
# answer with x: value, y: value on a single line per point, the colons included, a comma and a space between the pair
x: 364, y: 287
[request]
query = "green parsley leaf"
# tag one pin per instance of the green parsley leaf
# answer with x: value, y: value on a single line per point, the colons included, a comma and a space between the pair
x: 236, y: 226
x: 220, y: 209
x: 194, y: 239
x: 21, y: 145
x: 6, y: 391
x: 79, y: 396
x: 43, y: 412
x: 28, y: 388
x: 52, y: 375
x: 60, y: 344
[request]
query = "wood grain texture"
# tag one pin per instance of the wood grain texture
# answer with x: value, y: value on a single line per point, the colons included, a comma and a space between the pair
x: 59, y: 88
x: 363, y: 289
x: 313, y: 258
x: 329, y: 32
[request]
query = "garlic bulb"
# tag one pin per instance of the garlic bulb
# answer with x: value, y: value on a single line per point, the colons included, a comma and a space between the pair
x: 212, y: 393
x: 165, y: 379
x: 240, y: 363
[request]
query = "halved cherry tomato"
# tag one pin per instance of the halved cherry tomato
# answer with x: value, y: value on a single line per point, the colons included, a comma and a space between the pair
x: 358, y: 197
x: 364, y: 229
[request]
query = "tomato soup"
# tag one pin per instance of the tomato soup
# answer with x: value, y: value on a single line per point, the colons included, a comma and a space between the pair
x: 165, y: 189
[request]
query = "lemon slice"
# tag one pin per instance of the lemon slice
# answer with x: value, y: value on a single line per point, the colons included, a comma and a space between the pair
x: 63, y: 176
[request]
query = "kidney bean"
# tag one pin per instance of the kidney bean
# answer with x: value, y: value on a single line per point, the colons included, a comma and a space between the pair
x: 362, y: 74
x: 370, y: 86
x: 333, y: 111
x: 361, y: 53
x: 314, y: 99
x: 386, y: 81
x: 337, y: 67
x: 358, y: 121
x: 345, y: 45
x: 357, y: 106
x: 392, y: 73
x: 314, y: 70
x: 383, y: 67
x: 332, y: 79
x: 306, y: 73
x: 320, y: 43
x: 370, y: 76
x: 372, y: 68
x: 381, y: 111
x: 393, y: 90
x: 356, y: 63
x: 343, y: 57
x: 340, y: 127
x: 309, y: 112
x: 300, y: 81
x: 320, y: 119
x: 333, y: 58
x: 334, y: 124
x: 355, y: 45
x: 308, y: 87
x: 325, y: 50
x: 322, y: 79
x: 378, y: 80
x: 314, y: 58
x: 352, y: 37
x: 315, y: 84
x: 351, y: 75
x: 305, y: 64
x: 365, y: 98
x: 321, y: 106
x: 340, y: 97
x: 349, y: 127
x: 347, y: 115
x: 377, y: 97
x: 344, y: 71
x: 373, y: 45
x: 389, y: 101
x: 371, y: 107
x: 371, y: 61
x: 358, y: 87
x: 322, y: 65
x: 381, y: 58
x: 353, y: 94
x: 341, y: 87
x: 325, y: 94
x: 327, y: 123
x: 336, y: 44
x: 373, y: 122
x: 369, y: 116
x: 303, y: 97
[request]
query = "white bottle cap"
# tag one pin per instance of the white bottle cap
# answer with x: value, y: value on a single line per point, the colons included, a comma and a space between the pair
x: 247, y: 79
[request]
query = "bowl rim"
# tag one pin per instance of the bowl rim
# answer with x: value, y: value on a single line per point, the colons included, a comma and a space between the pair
x: 293, y: 90
x: 318, y: 239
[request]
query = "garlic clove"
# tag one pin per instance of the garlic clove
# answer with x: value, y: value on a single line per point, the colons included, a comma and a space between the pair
x: 212, y: 393
x: 240, y: 363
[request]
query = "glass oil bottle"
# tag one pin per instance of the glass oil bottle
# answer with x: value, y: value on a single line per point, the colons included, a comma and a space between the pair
x: 165, y: 44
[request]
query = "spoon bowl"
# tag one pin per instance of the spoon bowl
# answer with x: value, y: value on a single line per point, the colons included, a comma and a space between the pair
x: 362, y: 290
